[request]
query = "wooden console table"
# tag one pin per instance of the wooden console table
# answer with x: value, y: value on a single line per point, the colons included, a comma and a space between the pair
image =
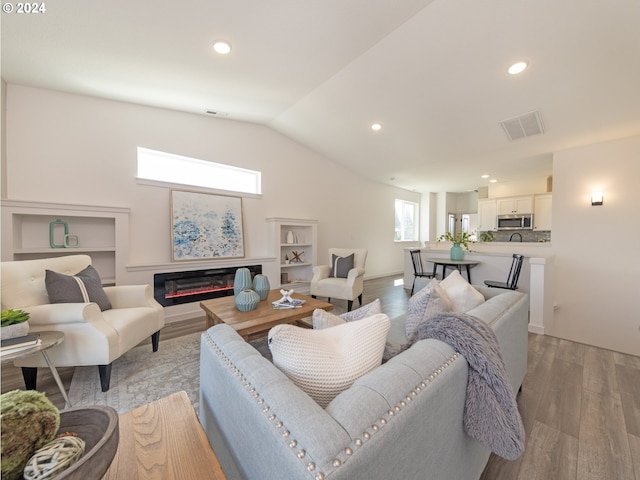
x: 163, y: 440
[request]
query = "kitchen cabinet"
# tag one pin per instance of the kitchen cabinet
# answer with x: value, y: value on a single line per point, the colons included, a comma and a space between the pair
x: 289, y: 235
x: 542, y: 212
x: 487, y: 215
x: 510, y: 205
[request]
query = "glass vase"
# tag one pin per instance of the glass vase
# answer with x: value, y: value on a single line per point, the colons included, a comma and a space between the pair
x: 242, y: 280
x: 261, y: 286
x: 456, y: 252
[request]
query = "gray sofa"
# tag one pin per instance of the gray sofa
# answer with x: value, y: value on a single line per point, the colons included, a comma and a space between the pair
x: 402, y: 420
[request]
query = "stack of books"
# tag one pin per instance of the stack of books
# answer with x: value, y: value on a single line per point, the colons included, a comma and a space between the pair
x: 11, y: 345
x: 294, y: 303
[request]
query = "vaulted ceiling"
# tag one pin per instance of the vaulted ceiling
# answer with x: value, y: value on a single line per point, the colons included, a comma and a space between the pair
x: 432, y: 72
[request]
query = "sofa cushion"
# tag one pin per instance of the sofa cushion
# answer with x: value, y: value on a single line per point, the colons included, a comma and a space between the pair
x: 325, y: 362
x: 323, y: 319
x: 83, y: 287
x: 340, y: 266
x: 427, y: 301
x: 462, y: 295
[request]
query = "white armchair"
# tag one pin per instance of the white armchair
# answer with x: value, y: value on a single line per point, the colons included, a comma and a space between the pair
x: 91, y: 336
x: 337, y: 281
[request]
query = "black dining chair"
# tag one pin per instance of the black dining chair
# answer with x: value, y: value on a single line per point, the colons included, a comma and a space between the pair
x: 418, y: 270
x: 512, y: 279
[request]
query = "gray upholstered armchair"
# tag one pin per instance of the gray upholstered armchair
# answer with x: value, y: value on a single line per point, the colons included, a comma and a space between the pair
x: 343, y: 278
x: 95, y: 333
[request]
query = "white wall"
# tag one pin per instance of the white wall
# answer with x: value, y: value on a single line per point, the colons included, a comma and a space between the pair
x: 597, y: 263
x: 73, y: 149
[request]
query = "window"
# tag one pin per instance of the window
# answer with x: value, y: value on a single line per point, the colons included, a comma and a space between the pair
x: 166, y: 167
x: 406, y: 221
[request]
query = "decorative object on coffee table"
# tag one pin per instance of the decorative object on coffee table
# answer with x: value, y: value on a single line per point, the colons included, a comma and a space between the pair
x: 261, y: 286
x: 247, y: 300
x: 242, y: 280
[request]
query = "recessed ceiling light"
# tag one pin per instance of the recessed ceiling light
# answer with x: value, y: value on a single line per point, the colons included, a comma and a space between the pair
x: 485, y: 176
x: 517, y: 68
x: 222, y: 47
x: 493, y: 180
x: 376, y: 127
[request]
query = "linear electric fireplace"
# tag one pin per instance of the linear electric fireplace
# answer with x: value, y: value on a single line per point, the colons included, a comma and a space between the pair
x: 196, y: 285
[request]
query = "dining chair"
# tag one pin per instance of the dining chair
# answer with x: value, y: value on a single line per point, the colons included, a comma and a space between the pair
x: 418, y: 268
x: 512, y: 279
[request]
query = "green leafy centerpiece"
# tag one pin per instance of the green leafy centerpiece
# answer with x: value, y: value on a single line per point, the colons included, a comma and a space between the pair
x: 459, y: 240
x: 13, y: 323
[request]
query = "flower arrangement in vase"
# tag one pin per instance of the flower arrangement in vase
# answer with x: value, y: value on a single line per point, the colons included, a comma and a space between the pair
x: 459, y: 240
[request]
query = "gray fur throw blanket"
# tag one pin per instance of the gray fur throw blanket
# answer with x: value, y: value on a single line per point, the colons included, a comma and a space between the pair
x: 490, y: 414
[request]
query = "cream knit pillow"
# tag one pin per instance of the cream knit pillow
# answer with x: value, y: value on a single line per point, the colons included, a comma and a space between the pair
x: 324, y: 363
x: 323, y: 319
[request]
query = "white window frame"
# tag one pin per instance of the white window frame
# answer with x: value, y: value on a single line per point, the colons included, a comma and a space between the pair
x: 178, y: 170
x: 402, y: 234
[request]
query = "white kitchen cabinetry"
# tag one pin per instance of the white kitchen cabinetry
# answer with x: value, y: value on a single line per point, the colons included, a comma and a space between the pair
x: 102, y: 233
x: 294, y: 235
x: 487, y: 215
x: 509, y: 205
x: 542, y: 212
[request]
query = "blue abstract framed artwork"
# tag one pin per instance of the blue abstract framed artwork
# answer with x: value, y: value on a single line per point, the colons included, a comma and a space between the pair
x: 205, y: 226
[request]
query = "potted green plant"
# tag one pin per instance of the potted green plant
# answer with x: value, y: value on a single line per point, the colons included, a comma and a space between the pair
x: 13, y: 323
x: 459, y: 240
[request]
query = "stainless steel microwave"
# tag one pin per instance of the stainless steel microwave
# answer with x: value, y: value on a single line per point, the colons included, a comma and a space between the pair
x: 515, y: 221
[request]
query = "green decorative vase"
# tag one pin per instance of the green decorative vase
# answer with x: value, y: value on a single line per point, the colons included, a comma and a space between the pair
x: 242, y: 281
x: 247, y: 300
x: 456, y: 252
x: 261, y: 286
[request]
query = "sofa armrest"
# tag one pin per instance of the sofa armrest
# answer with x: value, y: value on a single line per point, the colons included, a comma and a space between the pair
x: 130, y: 296
x: 63, y: 313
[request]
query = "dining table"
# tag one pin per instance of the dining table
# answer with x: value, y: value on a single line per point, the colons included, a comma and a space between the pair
x: 447, y: 262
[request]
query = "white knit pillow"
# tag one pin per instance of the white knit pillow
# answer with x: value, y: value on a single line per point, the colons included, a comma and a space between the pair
x: 323, y: 319
x: 324, y: 363
x: 462, y: 295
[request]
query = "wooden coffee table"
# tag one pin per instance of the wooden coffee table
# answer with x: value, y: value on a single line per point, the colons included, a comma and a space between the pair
x: 256, y: 323
x: 163, y: 440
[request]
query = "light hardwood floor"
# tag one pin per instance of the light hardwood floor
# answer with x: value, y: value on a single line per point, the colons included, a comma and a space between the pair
x: 580, y: 404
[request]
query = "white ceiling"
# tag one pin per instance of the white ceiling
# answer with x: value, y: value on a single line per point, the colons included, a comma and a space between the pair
x: 433, y: 72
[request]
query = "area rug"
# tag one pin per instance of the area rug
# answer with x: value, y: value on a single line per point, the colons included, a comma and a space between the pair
x: 141, y: 376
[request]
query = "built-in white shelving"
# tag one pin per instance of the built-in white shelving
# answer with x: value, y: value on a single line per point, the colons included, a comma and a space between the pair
x: 294, y: 235
x: 102, y: 233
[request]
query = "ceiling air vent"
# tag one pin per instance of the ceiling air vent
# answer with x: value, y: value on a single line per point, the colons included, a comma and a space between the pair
x: 523, y: 126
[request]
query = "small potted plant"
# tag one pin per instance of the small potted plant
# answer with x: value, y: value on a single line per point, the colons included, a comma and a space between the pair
x: 13, y: 323
x: 459, y: 240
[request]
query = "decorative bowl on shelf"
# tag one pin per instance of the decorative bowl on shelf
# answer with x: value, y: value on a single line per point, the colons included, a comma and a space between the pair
x: 98, y: 427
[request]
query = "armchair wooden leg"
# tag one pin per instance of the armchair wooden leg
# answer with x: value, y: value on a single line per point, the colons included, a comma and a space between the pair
x: 30, y: 376
x: 360, y: 299
x: 105, y: 376
x: 155, y: 340
x: 313, y: 296
x: 349, y: 305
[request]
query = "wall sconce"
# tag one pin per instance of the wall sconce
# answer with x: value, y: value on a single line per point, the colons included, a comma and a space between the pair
x: 596, y: 198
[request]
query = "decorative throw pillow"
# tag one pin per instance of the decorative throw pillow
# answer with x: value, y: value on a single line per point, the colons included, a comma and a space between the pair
x: 323, y: 319
x: 83, y: 287
x: 340, y: 266
x: 427, y: 301
x: 324, y: 363
x: 463, y: 296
